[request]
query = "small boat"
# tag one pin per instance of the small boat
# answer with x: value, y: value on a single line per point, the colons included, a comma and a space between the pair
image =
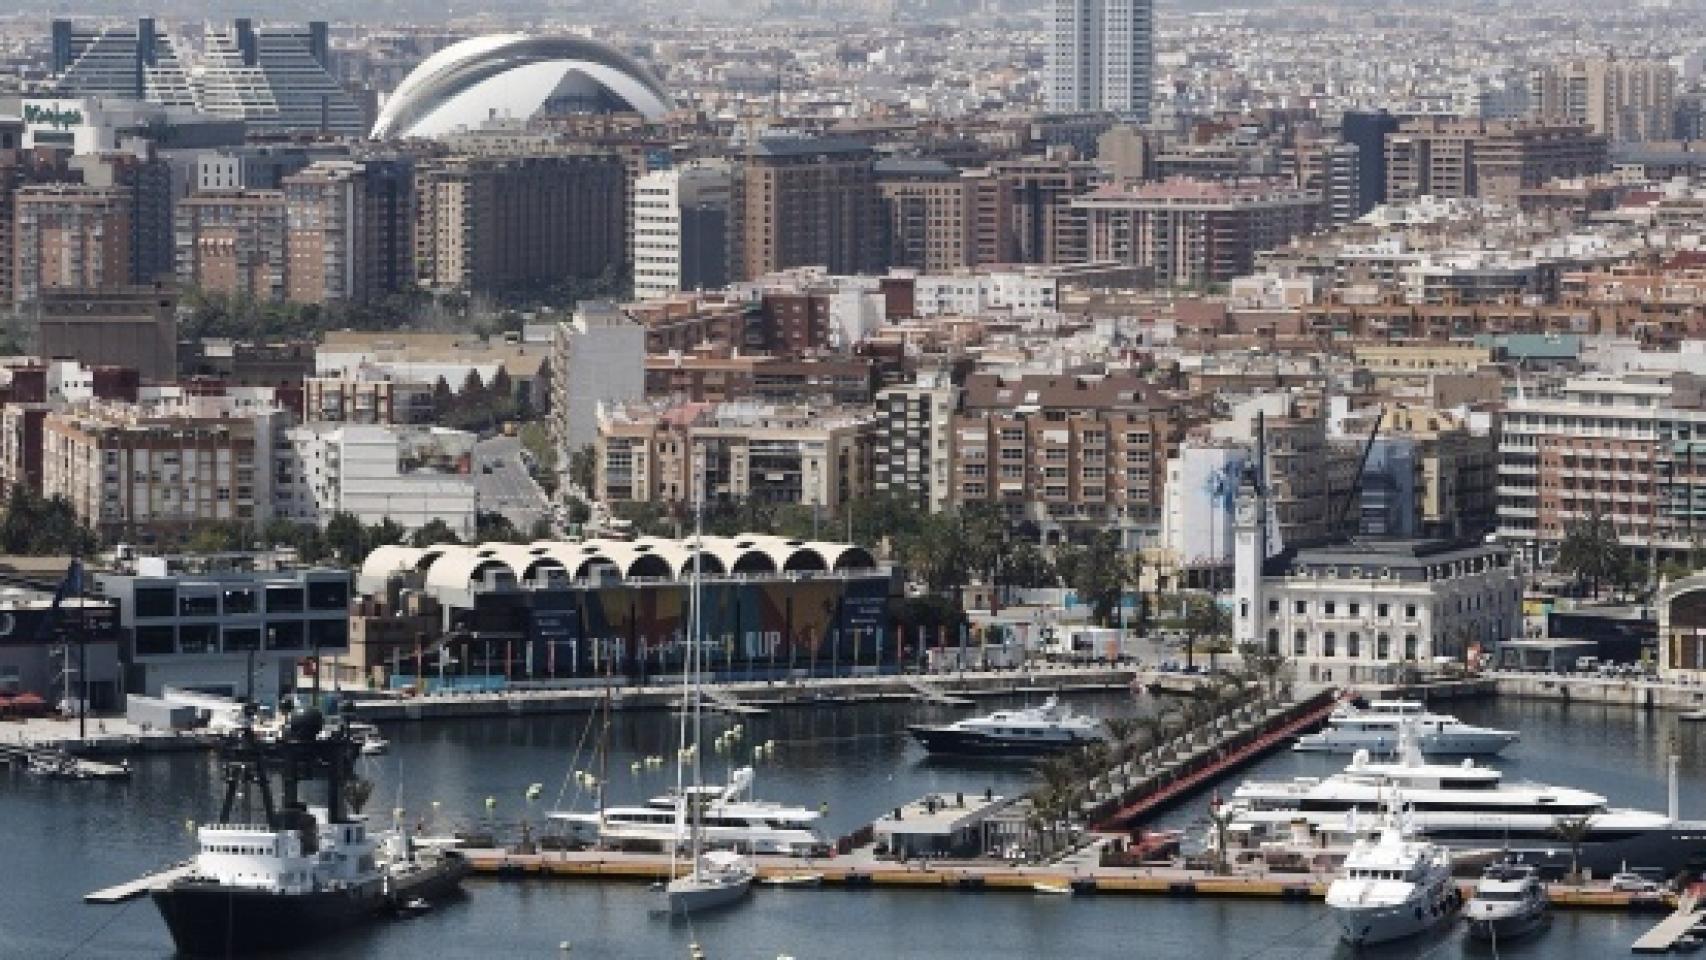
x: 417, y: 905
x: 1687, y: 943
x: 1509, y: 901
x: 1055, y: 888
x: 1377, y: 726
x: 718, y: 879
x: 1030, y: 732
x: 793, y: 880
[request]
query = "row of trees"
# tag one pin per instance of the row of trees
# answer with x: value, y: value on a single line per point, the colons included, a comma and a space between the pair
x: 43, y: 526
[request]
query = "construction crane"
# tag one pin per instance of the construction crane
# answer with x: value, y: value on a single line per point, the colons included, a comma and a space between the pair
x: 1356, y: 480
x: 51, y: 624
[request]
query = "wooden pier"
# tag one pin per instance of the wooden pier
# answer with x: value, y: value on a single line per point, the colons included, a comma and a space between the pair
x: 132, y: 889
x: 861, y: 871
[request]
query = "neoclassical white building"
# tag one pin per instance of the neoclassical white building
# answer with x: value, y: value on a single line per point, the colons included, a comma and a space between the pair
x: 1364, y: 609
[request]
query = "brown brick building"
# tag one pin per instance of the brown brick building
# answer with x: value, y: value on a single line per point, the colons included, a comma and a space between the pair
x: 70, y: 236
x: 233, y: 242
x: 1491, y: 159
x: 349, y: 230
x: 805, y: 202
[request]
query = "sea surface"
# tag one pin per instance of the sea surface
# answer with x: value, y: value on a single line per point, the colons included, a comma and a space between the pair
x: 61, y: 840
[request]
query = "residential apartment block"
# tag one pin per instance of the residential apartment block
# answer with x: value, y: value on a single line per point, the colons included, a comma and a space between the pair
x: 680, y: 229
x: 70, y: 237
x: 1101, y: 57
x: 1492, y: 159
x: 1625, y: 100
x: 1195, y: 232
x: 806, y: 202
x: 913, y: 453
x: 349, y: 230
x: 234, y: 242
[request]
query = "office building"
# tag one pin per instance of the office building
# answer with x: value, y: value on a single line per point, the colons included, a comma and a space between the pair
x: 494, y: 224
x: 377, y: 472
x: 680, y: 229
x: 276, y: 80
x: 1101, y: 57
x: 121, y: 62
x: 235, y: 633
x: 806, y: 202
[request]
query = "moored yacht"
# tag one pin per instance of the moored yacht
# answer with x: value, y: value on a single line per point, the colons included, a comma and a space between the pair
x: 729, y: 817
x: 1465, y: 806
x: 1031, y: 731
x: 1509, y: 901
x: 1375, y: 726
x: 1393, y: 886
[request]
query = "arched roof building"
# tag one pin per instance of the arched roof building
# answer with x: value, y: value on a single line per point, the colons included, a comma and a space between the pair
x: 515, y: 74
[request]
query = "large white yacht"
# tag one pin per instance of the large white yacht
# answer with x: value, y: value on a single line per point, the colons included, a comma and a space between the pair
x: 1393, y: 886
x: 730, y: 819
x: 1464, y: 806
x: 1374, y: 726
x: 1510, y: 901
x: 1032, y: 731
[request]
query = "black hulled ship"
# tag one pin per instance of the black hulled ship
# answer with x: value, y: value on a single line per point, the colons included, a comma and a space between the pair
x: 290, y: 872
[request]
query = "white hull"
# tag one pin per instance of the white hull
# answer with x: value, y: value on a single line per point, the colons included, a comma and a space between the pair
x: 1366, y: 926
x: 587, y: 828
x: 1467, y: 741
x: 693, y: 894
x: 1508, y: 926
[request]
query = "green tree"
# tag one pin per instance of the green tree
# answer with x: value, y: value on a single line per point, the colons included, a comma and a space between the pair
x: 936, y: 553
x: 346, y: 538
x: 583, y: 470
x: 218, y: 537
x: 34, y: 526
x: 884, y: 518
x: 1029, y: 568
x: 541, y: 529
x: 1574, y: 831
x: 1206, y: 624
x: 647, y: 519
x: 490, y: 527
x: 1591, y: 552
x: 386, y: 532
x: 988, y: 543
x: 1098, y: 572
x: 433, y: 532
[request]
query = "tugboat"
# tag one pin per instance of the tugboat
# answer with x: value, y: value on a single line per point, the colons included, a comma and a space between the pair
x: 296, y: 873
x: 1033, y: 731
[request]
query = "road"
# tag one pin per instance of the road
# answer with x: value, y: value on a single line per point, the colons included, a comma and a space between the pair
x: 503, y: 484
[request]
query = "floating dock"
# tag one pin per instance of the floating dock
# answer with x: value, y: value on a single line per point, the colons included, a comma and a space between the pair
x: 132, y: 889
x: 1663, y: 937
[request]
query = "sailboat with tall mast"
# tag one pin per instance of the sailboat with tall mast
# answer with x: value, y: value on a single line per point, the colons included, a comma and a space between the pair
x: 714, y: 878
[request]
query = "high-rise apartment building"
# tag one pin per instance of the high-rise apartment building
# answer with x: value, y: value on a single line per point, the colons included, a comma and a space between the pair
x: 488, y: 224
x: 1494, y: 160
x: 233, y: 242
x: 1101, y: 57
x: 680, y: 229
x: 913, y: 455
x: 70, y: 236
x: 149, y: 183
x: 1196, y: 232
x: 927, y: 215
x: 1367, y: 131
x: 1023, y: 211
x: 1625, y: 448
x: 19, y: 169
x: 801, y: 202
x: 277, y: 80
x: 124, y: 62
x: 599, y: 357
x: 1625, y: 100
x: 1332, y: 169
x: 1066, y: 454
x: 349, y: 230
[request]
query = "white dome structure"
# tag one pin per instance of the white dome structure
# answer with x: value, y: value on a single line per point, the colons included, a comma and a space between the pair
x: 515, y: 75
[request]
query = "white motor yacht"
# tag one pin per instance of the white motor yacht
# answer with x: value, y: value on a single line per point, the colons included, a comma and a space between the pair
x: 730, y: 817
x: 1392, y: 887
x: 1509, y: 901
x: 1374, y: 726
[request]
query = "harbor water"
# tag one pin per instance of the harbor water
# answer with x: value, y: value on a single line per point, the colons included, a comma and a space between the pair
x: 59, y: 840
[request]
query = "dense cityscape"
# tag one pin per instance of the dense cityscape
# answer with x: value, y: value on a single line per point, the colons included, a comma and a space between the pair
x: 432, y: 406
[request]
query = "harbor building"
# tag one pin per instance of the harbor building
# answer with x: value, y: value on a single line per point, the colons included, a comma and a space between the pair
x: 226, y: 631
x: 501, y: 613
x: 1682, y: 630
x: 35, y: 657
x: 1370, y: 610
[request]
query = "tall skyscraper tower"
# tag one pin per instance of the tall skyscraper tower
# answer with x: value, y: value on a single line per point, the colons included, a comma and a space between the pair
x: 1101, y: 57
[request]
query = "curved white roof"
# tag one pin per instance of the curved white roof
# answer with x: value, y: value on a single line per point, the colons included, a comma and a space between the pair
x: 511, y: 74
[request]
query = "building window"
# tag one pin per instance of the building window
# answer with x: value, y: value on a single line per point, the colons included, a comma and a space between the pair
x: 240, y: 601
x: 1356, y: 609
x: 1273, y: 642
x: 1410, y: 646
x: 1328, y: 607
x: 242, y: 638
x: 152, y: 641
x: 1353, y: 645
x: 1383, y: 610
x: 1300, y: 607
x: 328, y: 595
x: 284, y: 599
x: 156, y: 601
x: 1273, y: 608
x: 1300, y: 644
x: 1329, y: 644
x: 1409, y: 611
x: 328, y: 634
x: 1382, y: 646
x: 198, y: 638
x: 284, y: 635
x: 199, y: 606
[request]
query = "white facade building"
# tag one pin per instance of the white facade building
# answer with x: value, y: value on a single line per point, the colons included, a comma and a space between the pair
x: 598, y: 358
x: 1196, y: 520
x: 408, y: 476
x: 1101, y: 57
x: 1021, y: 293
x: 680, y: 229
x: 1364, y: 610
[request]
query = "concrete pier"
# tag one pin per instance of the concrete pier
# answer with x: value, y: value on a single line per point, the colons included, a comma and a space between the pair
x: 1646, y: 694
x: 1663, y: 937
x: 753, y: 695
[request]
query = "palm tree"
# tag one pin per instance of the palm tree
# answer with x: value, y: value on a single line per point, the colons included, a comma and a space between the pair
x: 1121, y: 730
x: 1221, y: 816
x: 1574, y: 831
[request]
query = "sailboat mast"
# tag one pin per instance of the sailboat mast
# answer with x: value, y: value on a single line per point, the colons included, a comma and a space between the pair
x: 697, y: 653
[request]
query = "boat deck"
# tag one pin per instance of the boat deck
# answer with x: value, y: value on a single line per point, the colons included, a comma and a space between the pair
x: 132, y: 889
